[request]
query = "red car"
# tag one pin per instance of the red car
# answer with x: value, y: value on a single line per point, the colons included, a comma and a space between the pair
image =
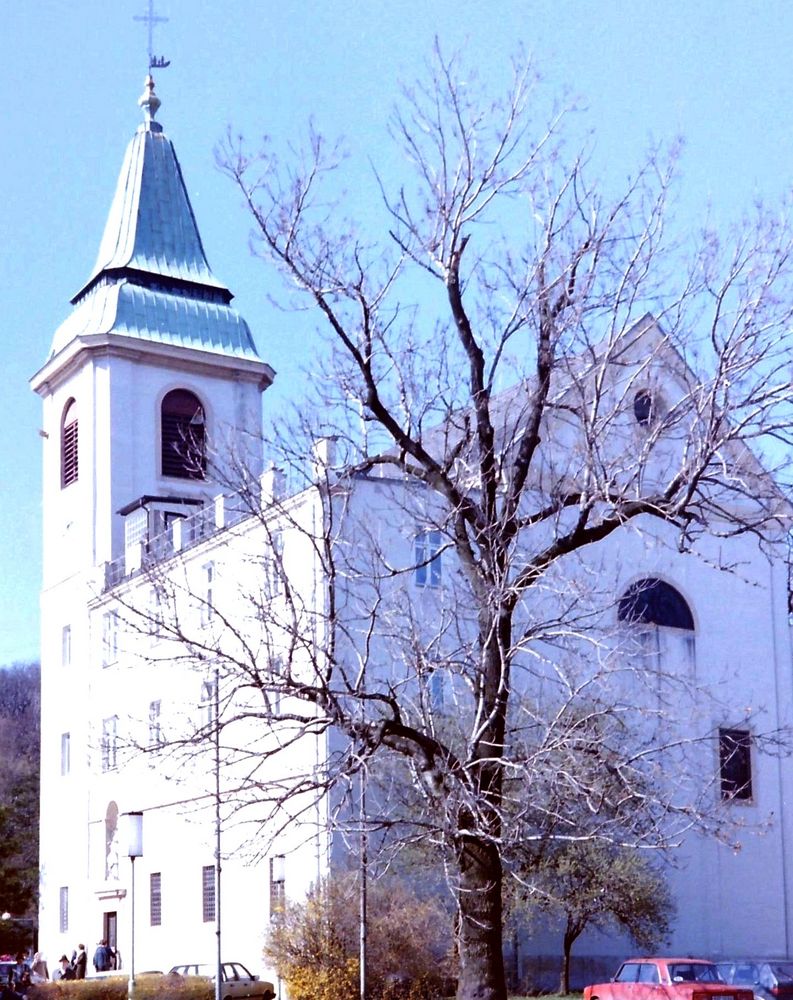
x: 667, y: 979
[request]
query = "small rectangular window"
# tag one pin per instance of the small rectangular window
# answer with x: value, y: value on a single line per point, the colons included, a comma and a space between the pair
x: 209, y: 706
x: 208, y: 893
x: 109, y: 638
x: 207, y: 593
x: 428, y: 558
x: 274, y: 567
x: 155, y: 899
x: 155, y: 727
x: 66, y: 753
x: 157, y: 611
x: 109, y: 743
x: 63, y: 909
x: 277, y: 885
x: 437, y: 689
x: 66, y: 645
x: 735, y: 764
x: 277, y: 682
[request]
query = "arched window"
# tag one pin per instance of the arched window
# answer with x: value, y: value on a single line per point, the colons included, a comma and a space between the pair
x: 183, y: 435
x: 111, y: 842
x: 661, y: 635
x: 653, y: 602
x: 69, y: 444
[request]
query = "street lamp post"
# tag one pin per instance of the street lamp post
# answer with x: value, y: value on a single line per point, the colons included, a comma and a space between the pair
x: 278, y: 878
x: 218, y: 941
x: 134, y: 823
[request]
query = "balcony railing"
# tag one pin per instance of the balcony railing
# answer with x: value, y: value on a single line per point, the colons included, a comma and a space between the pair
x: 183, y: 533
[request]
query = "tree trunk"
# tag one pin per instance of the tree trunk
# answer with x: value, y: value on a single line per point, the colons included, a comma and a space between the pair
x: 478, y: 857
x: 564, y: 979
x: 480, y: 950
x: 571, y: 933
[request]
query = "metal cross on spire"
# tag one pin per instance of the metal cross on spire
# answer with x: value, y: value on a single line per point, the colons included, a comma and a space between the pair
x: 150, y: 18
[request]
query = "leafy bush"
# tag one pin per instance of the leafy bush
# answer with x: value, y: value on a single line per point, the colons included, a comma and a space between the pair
x: 115, y: 988
x: 336, y: 981
x: 314, y: 944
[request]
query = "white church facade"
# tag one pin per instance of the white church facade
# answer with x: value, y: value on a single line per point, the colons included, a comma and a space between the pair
x: 153, y: 564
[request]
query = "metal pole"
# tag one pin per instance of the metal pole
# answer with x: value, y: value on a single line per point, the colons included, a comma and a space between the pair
x: 131, y: 985
x: 363, y: 879
x: 219, y: 969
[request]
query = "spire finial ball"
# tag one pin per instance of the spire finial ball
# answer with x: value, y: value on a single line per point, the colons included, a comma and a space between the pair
x: 148, y: 100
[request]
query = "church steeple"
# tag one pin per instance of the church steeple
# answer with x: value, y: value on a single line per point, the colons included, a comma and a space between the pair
x: 153, y: 361
x: 151, y: 231
x: 151, y: 280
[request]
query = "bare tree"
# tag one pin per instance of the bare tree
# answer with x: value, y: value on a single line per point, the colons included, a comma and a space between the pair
x: 508, y: 419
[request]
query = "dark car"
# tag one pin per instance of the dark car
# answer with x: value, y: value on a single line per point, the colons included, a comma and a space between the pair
x: 767, y: 977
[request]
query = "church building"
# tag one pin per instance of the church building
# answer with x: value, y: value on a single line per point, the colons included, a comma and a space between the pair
x: 166, y: 540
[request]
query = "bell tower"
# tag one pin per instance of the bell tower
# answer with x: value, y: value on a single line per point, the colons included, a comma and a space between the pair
x: 151, y: 396
x: 153, y: 382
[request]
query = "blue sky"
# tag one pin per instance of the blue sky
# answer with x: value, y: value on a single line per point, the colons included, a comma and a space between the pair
x: 716, y: 72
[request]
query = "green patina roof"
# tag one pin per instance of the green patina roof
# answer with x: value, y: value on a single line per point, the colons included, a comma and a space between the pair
x: 151, y: 280
x: 162, y: 317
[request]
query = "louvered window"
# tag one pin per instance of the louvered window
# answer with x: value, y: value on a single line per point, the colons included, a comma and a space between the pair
x: 155, y: 899
x: 183, y: 436
x: 208, y: 893
x: 69, y: 445
x: 63, y: 915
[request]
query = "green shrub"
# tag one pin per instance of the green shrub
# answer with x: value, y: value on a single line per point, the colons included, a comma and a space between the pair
x: 317, y: 982
x: 115, y: 988
x: 314, y: 944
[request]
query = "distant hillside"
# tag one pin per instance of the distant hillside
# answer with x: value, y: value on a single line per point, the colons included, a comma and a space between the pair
x: 20, y: 691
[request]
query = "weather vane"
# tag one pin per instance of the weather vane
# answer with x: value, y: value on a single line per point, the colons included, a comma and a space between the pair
x: 155, y: 62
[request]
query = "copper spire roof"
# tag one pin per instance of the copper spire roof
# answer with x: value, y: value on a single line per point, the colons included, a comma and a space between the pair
x: 151, y: 280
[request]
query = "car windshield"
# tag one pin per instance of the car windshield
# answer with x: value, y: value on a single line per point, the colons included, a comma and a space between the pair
x: 694, y: 972
x: 743, y: 973
x: 783, y: 971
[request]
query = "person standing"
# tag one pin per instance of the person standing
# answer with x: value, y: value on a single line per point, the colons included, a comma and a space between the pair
x: 19, y: 968
x: 39, y: 973
x: 64, y: 970
x: 102, y: 957
x: 80, y: 962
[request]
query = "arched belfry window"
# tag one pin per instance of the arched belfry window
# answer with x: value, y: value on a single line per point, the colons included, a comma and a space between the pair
x: 653, y: 602
x: 69, y: 444
x: 183, y: 435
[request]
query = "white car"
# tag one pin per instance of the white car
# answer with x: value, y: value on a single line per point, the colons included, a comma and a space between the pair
x: 237, y: 981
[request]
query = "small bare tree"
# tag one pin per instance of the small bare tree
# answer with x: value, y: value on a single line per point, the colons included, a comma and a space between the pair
x: 508, y: 420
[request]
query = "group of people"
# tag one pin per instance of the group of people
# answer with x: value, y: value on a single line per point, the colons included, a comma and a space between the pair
x: 106, y: 959
x: 74, y: 967
x: 17, y: 981
x: 34, y: 970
